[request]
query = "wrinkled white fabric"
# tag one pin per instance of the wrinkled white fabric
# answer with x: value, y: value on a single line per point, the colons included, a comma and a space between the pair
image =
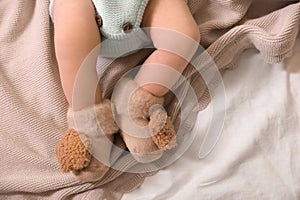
x: 257, y: 156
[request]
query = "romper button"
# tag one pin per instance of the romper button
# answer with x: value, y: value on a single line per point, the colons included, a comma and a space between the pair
x: 99, y: 20
x: 127, y: 27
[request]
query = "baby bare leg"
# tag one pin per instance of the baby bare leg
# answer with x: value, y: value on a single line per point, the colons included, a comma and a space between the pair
x: 175, y: 36
x: 76, y: 35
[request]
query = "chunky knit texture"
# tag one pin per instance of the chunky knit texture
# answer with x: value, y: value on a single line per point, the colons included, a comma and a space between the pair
x: 115, y: 13
x: 33, y: 106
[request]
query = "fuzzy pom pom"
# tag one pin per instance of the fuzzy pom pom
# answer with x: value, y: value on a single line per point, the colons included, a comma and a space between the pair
x: 162, y: 129
x: 72, y: 153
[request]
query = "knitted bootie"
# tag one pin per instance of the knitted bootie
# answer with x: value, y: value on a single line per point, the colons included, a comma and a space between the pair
x: 145, y: 127
x: 84, y: 140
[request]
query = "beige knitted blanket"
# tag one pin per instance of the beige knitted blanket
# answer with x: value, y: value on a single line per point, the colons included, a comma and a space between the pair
x: 33, y: 107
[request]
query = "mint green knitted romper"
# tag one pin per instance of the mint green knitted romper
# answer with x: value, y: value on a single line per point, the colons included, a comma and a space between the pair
x: 116, y: 13
x: 120, y: 29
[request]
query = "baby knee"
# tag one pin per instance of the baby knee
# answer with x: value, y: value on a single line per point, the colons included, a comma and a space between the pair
x: 194, y: 33
x: 183, y: 43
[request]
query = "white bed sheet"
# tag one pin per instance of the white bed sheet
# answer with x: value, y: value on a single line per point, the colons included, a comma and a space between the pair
x: 258, y: 154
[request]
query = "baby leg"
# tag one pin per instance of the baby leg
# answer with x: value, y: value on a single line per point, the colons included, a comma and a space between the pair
x: 75, y: 35
x: 173, y: 31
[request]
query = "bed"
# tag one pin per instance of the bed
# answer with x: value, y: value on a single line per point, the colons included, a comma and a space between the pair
x: 257, y: 156
x: 255, y: 47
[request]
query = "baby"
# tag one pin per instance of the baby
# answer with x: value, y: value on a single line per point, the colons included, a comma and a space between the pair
x: 175, y: 36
